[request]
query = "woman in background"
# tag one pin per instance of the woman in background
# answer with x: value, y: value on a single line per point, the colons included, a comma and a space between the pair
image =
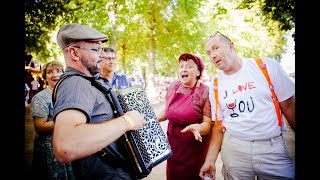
x: 44, y: 164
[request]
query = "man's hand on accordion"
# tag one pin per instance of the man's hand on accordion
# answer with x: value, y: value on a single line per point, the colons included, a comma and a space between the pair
x: 134, y: 120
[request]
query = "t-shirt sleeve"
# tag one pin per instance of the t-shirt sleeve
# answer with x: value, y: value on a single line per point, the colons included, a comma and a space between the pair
x: 284, y: 87
x: 75, y: 93
x: 39, y: 107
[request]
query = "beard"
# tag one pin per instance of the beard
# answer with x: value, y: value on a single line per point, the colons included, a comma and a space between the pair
x: 93, y: 69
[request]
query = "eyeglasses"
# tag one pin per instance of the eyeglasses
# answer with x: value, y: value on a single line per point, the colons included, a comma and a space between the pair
x: 219, y: 33
x: 97, y: 50
x: 110, y: 58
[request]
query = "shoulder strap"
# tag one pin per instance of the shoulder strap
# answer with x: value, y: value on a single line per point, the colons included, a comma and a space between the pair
x: 264, y: 70
x: 54, y: 92
x: 215, y: 89
x: 107, y: 92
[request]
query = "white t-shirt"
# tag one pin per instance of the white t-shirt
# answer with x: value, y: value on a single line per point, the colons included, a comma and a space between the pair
x: 248, y: 111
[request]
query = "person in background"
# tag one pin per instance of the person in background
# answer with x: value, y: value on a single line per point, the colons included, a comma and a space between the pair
x: 86, y: 129
x: 44, y: 164
x: 41, y: 83
x: 189, y: 113
x: 108, y: 75
x: 34, y: 89
x: 26, y: 96
x: 247, y: 130
x: 137, y: 79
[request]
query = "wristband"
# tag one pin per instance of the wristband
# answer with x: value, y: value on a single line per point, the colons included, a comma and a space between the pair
x: 129, y: 121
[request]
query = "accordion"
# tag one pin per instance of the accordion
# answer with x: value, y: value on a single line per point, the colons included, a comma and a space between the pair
x: 148, y: 146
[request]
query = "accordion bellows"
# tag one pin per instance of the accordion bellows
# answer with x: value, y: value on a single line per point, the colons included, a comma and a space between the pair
x: 150, y: 144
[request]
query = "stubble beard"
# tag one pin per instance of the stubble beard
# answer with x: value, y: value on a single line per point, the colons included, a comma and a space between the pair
x: 93, y: 69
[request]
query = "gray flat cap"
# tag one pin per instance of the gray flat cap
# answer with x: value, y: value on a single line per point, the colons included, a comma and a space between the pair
x: 72, y: 33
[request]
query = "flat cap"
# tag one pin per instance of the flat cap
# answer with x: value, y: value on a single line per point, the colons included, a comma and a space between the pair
x: 72, y: 33
x: 196, y: 59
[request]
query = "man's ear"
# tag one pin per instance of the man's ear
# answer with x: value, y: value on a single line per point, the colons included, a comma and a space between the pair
x: 74, y: 54
x: 231, y: 45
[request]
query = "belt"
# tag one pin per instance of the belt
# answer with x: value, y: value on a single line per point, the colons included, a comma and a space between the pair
x: 259, y: 140
x: 271, y: 139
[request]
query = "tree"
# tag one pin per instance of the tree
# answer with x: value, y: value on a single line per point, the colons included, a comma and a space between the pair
x: 252, y: 35
x: 150, y: 35
x: 281, y: 11
x: 41, y: 18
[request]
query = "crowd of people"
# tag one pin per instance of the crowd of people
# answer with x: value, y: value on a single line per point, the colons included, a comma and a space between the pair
x: 32, y: 87
x: 238, y: 115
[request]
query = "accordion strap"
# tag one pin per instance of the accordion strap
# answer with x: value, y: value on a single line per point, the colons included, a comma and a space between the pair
x: 107, y: 92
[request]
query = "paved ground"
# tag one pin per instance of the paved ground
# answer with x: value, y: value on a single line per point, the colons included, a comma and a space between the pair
x: 158, y: 172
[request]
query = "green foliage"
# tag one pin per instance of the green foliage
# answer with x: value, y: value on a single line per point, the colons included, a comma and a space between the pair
x: 247, y: 29
x: 40, y: 19
x: 149, y: 36
x: 281, y: 11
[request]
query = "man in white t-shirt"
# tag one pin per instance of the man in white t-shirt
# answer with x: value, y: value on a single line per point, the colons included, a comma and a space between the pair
x: 248, y: 131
